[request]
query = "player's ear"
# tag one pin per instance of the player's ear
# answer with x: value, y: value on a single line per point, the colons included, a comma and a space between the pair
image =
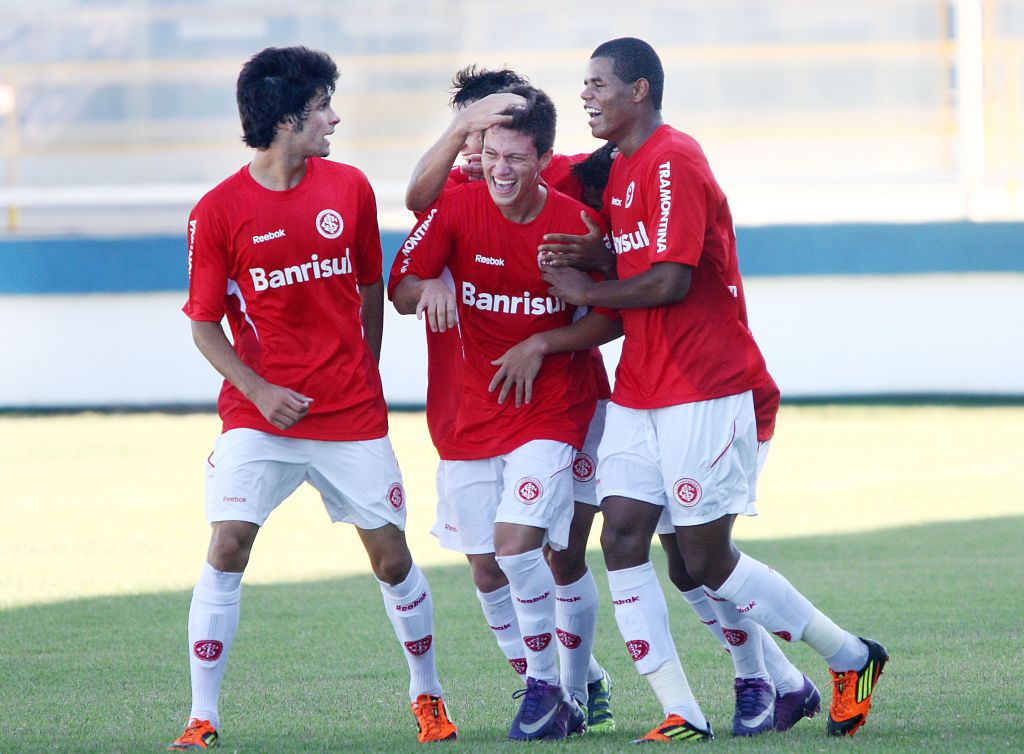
x: 641, y: 88
x: 545, y: 159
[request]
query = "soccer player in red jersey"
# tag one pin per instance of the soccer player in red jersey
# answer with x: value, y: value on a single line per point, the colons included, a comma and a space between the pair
x: 509, y: 491
x: 756, y: 657
x: 480, y: 98
x: 681, y: 429
x: 288, y: 250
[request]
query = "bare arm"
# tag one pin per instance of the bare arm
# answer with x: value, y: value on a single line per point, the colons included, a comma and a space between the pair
x: 665, y: 283
x: 280, y: 406
x: 431, y: 172
x: 371, y: 310
x: 519, y: 365
x: 416, y: 296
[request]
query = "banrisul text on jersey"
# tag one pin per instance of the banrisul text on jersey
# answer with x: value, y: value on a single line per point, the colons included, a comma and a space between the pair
x: 314, y: 269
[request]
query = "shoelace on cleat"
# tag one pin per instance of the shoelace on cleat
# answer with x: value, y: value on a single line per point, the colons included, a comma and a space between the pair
x: 748, y: 701
x: 532, y: 707
x: 839, y: 698
x: 429, y: 717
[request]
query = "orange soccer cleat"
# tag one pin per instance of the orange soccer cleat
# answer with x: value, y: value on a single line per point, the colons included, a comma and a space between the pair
x: 851, y: 692
x: 199, y: 734
x: 675, y: 728
x: 432, y: 717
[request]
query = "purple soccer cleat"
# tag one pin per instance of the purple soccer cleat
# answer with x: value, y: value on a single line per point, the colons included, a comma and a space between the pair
x: 793, y: 707
x: 755, y: 707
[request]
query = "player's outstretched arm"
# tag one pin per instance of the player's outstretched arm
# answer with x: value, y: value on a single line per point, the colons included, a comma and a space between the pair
x: 431, y: 297
x: 587, y: 252
x: 371, y: 310
x: 280, y: 406
x: 664, y: 283
x: 431, y: 172
x: 519, y: 365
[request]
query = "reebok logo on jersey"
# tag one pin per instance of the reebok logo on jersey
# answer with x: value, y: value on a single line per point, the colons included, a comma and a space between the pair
x: 493, y: 261
x: 665, y: 204
x: 279, y: 233
x: 502, y: 304
x: 191, y: 244
x: 314, y: 269
x: 625, y: 242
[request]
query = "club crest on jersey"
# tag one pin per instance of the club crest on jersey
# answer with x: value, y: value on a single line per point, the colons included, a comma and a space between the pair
x: 734, y: 636
x: 638, y: 649
x: 630, y: 190
x: 687, y: 492
x: 396, y: 496
x: 583, y: 468
x: 329, y: 223
x: 569, y: 641
x: 537, y: 643
x: 528, y: 490
x: 420, y: 646
x: 207, y: 650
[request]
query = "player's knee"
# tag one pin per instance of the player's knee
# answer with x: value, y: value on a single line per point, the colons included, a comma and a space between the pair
x: 567, y: 566
x: 487, y: 575
x: 392, y: 567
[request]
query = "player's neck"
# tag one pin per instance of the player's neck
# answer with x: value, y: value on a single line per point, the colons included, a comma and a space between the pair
x: 639, y: 132
x: 527, y: 210
x: 277, y: 169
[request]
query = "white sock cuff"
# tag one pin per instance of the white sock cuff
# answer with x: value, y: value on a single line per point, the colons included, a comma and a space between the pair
x: 579, y: 596
x: 415, y: 581
x: 492, y: 599
x: 694, y: 596
x: 745, y: 567
x: 218, y: 587
x: 626, y: 579
x: 521, y: 563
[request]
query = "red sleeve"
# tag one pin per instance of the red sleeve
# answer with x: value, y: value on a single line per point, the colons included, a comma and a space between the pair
x: 674, y: 193
x: 368, y: 252
x: 425, y: 249
x: 207, y: 265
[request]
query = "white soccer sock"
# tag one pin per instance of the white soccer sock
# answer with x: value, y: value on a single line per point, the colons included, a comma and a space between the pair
x: 852, y: 655
x: 642, y: 616
x: 701, y: 605
x: 212, y: 623
x: 766, y: 596
x: 500, y: 615
x: 786, y: 677
x: 743, y: 636
x: 594, y: 670
x: 673, y: 691
x: 533, y: 589
x: 411, y: 611
x: 576, y: 608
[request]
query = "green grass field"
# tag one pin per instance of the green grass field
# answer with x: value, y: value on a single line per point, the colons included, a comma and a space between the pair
x: 904, y: 523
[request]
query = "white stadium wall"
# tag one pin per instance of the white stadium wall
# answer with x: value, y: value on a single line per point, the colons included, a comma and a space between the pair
x: 823, y: 336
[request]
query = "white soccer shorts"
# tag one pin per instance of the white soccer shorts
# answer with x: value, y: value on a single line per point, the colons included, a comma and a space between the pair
x: 696, y: 460
x: 531, y: 486
x: 250, y: 473
x: 584, y: 465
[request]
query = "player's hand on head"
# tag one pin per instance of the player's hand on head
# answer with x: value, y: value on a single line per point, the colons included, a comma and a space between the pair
x: 489, y: 111
x: 517, y: 368
x: 567, y: 283
x: 437, y: 301
x: 281, y: 406
x: 587, y: 252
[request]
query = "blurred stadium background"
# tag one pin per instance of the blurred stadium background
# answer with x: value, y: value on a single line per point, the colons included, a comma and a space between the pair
x: 873, y: 153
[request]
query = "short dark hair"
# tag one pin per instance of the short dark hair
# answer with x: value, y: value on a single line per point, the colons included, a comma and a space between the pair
x: 536, y: 119
x: 634, y: 59
x: 278, y: 85
x: 472, y: 83
x: 593, y: 171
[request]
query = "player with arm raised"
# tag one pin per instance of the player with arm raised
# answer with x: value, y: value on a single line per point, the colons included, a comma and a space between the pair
x: 682, y: 432
x: 288, y: 250
x: 480, y: 99
x: 508, y: 492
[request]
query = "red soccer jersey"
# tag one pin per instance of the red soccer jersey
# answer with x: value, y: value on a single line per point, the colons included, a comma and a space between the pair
x: 665, y: 206
x: 502, y: 300
x: 284, y: 266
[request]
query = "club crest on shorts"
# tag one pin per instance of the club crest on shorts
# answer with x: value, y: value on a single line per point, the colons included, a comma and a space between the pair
x: 583, y: 468
x: 537, y: 643
x: 687, y: 492
x: 528, y: 490
x: 396, y: 496
x: 207, y: 650
x: 638, y: 649
x: 420, y: 646
x: 329, y: 223
x: 569, y: 641
x: 734, y: 636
